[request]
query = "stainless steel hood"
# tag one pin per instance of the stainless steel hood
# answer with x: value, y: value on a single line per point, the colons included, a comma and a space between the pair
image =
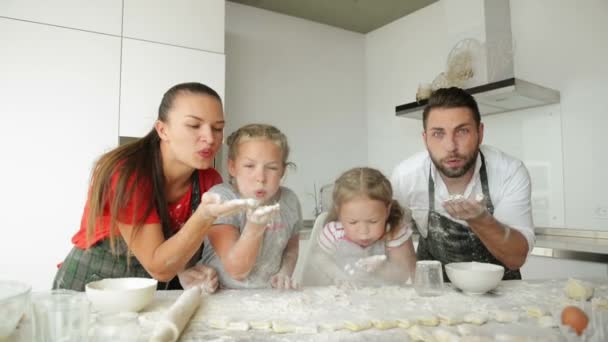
x: 495, y: 86
x: 497, y: 97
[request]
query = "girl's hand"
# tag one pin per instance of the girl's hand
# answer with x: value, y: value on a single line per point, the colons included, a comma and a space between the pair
x: 263, y: 215
x: 212, y: 206
x: 371, y: 264
x: 199, y: 275
x: 283, y: 282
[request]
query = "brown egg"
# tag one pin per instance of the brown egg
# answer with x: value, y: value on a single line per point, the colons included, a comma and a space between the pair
x: 575, y: 318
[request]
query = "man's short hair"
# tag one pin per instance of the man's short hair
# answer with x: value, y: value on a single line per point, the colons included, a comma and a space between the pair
x: 452, y: 97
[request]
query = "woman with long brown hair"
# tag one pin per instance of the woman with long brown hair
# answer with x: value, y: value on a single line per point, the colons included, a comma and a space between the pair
x: 142, y: 217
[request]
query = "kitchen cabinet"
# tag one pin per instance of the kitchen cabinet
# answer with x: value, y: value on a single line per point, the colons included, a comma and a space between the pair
x: 188, y: 23
x: 59, y: 94
x: 103, y: 16
x: 149, y: 69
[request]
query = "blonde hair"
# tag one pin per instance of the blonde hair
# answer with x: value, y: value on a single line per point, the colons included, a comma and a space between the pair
x: 258, y: 131
x: 371, y: 183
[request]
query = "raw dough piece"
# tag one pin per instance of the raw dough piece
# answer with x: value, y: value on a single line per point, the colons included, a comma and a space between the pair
x: 476, y: 318
x: 476, y: 339
x: 428, y: 320
x: 282, y: 327
x: 238, y: 326
x: 306, y: 329
x: 547, y: 322
x: 219, y: 322
x: 357, y: 325
x: 465, y: 329
x: 384, y: 324
x: 578, y: 290
x: 504, y: 316
x: 442, y: 335
x: 449, y: 319
x: 404, y: 323
x: 535, y: 311
x: 333, y: 326
x: 418, y: 334
x: 260, y: 325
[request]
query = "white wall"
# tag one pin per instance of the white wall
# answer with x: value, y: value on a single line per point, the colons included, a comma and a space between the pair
x: 305, y: 78
x: 69, y: 83
x: 564, y: 48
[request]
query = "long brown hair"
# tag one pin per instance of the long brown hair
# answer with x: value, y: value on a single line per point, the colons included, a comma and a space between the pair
x: 138, y: 163
x: 371, y: 183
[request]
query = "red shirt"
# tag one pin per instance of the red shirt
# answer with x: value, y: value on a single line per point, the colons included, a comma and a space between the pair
x: 179, y: 211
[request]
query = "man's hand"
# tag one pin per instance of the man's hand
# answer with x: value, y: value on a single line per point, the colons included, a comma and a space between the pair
x: 199, y: 275
x: 283, y: 282
x: 465, y: 209
x: 212, y: 206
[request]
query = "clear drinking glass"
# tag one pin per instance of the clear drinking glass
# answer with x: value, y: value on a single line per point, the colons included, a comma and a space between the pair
x: 428, y: 280
x: 117, y: 327
x: 61, y: 315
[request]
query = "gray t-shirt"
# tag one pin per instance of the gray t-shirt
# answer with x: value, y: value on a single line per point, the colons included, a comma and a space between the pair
x: 276, y: 236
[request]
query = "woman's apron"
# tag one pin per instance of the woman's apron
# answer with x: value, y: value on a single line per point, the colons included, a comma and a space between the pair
x: 449, y: 241
x: 98, y: 262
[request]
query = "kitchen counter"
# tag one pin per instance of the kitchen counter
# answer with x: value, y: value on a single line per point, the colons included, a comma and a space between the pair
x: 319, y: 313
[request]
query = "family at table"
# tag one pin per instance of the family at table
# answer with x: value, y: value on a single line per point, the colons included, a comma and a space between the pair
x: 157, y: 208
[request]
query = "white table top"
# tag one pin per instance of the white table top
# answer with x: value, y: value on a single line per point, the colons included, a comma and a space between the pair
x: 308, y: 308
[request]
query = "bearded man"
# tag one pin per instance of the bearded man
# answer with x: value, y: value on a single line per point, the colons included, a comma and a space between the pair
x: 469, y: 202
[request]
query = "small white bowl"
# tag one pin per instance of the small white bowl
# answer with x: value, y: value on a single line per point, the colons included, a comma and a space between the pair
x: 121, y: 294
x: 14, y: 300
x: 474, y: 277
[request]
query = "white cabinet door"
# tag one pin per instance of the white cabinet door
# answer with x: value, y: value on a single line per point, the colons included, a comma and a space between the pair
x: 92, y: 15
x: 59, y: 103
x: 539, y: 267
x: 196, y: 24
x: 150, y: 69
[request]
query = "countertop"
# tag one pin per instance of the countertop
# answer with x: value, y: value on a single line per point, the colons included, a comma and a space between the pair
x: 311, y: 313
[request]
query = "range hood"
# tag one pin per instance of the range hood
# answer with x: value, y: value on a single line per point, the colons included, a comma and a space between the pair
x: 495, y: 86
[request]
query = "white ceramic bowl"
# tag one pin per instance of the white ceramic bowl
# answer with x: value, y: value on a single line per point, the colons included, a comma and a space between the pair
x: 14, y: 300
x: 121, y: 294
x: 474, y: 277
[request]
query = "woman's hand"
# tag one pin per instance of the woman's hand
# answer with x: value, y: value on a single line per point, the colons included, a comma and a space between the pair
x: 199, y: 275
x: 213, y: 207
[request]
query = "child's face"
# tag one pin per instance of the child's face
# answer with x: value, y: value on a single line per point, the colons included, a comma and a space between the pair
x: 364, y: 220
x: 257, y: 169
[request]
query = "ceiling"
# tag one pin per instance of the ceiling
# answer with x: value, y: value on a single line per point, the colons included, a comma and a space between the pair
x: 354, y: 15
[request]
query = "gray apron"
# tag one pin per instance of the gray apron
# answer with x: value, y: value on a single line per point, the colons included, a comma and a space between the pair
x: 449, y: 241
x: 348, y: 253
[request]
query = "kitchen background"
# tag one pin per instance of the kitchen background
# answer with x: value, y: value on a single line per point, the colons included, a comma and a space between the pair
x: 74, y: 76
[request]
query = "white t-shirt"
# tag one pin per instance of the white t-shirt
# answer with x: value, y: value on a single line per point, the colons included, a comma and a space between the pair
x: 334, y: 231
x: 508, y: 181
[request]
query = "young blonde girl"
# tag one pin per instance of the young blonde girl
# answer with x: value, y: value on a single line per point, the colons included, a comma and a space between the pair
x: 257, y: 248
x: 367, y: 235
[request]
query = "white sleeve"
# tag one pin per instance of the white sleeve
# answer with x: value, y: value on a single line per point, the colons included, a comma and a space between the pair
x: 401, y: 236
x: 515, y: 208
x: 327, y: 238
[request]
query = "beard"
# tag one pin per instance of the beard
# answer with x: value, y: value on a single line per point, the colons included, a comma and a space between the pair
x: 469, y: 159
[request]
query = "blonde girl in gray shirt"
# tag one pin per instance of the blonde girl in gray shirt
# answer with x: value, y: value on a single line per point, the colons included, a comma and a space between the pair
x: 257, y: 248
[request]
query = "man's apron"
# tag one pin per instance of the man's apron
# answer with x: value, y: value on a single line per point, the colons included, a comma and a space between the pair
x: 449, y: 241
x: 98, y: 262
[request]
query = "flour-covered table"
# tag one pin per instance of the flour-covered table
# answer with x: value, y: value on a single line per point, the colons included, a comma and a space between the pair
x: 515, y: 311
